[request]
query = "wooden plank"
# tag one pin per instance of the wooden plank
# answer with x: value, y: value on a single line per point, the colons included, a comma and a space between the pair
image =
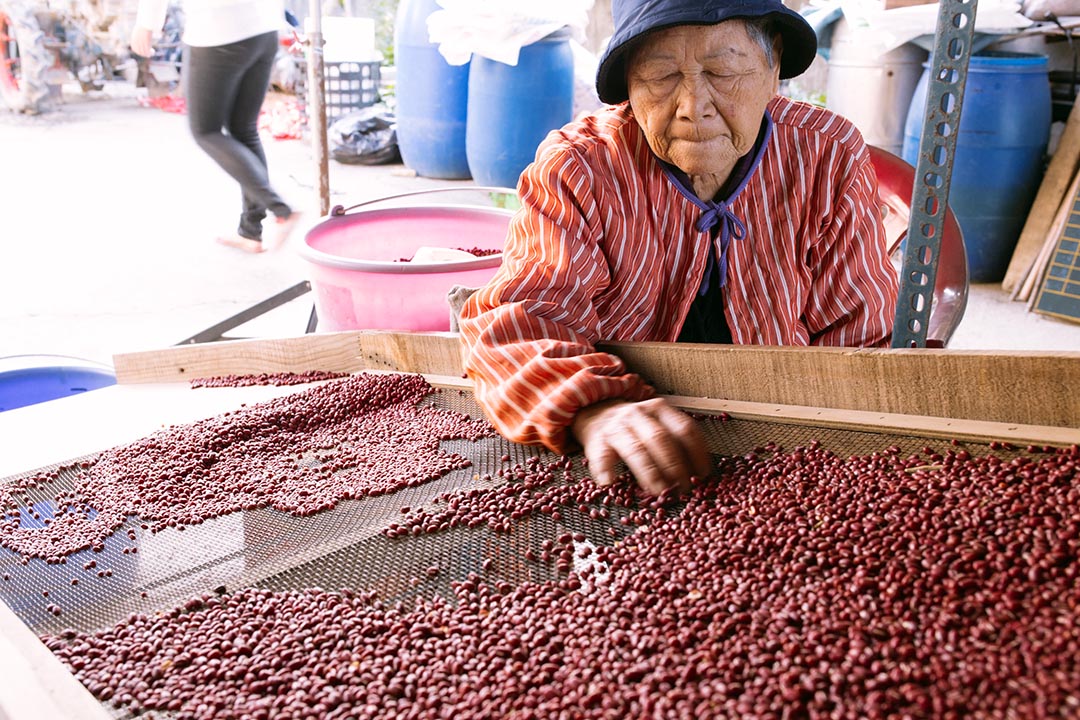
x: 35, y: 684
x: 1030, y: 388
x: 334, y: 352
x: 428, y: 353
x: 1058, y: 293
x: 917, y: 425
x: 350, y: 351
x: 1024, y: 291
x: 1028, y: 291
x: 1058, y: 177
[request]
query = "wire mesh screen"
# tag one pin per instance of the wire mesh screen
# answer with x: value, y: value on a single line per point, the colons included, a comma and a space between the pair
x: 373, y: 543
x: 339, y: 548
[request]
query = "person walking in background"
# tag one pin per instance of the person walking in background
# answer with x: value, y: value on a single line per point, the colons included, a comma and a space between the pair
x: 230, y: 47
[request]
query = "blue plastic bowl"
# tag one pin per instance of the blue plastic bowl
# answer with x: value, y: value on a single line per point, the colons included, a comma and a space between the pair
x: 29, y: 386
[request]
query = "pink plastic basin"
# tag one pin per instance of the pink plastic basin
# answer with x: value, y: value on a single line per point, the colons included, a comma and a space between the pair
x: 359, y: 282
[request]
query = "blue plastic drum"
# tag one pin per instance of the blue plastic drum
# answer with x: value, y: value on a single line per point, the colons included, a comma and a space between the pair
x: 1000, y: 148
x: 31, y: 385
x: 432, y: 98
x: 513, y: 108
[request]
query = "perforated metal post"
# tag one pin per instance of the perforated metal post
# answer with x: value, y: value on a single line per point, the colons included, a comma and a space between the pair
x: 933, y: 171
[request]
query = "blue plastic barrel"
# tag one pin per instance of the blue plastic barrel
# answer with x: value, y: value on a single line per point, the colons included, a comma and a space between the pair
x: 512, y: 108
x: 1000, y: 148
x: 432, y: 98
x: 32, y: 385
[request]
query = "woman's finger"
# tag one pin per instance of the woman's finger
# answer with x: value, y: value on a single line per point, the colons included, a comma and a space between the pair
x: 694, y: 449
x: 652, y: 455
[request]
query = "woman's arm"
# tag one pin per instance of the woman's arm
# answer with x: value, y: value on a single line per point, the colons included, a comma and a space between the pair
x: 529, y: 334
x: 149, y: 19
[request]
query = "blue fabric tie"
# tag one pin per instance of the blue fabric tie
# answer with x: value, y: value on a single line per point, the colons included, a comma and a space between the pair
x: 730, y: 227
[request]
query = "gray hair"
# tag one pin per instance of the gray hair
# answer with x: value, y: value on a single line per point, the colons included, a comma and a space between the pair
x: 764, y: 31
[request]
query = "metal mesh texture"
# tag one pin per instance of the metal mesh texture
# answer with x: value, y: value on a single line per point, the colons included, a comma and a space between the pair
x: 344, y: 547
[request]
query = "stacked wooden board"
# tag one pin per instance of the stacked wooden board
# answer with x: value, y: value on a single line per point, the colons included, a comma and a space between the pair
x: 1045, y: 264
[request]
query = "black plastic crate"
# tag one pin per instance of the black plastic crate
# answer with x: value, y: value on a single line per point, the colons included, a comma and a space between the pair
x: 349, y: 85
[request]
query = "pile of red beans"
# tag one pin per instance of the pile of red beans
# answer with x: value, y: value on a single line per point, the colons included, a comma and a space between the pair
x: 795, y: 583
x: 300, y: 454
x: 478, y: 252
x: 534, y: 487
x: 276, y: 379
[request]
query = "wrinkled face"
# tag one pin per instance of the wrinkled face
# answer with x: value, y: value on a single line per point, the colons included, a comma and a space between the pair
x: 699, y: 93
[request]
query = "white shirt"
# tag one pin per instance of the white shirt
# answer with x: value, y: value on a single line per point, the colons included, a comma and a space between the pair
x: 208, y: 23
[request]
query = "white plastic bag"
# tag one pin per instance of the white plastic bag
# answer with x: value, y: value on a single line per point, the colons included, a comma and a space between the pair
x: 895, y: 27
x: 498, y: 30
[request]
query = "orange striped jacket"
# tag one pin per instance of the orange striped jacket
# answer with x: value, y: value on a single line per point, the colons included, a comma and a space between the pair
x: 605, y: 248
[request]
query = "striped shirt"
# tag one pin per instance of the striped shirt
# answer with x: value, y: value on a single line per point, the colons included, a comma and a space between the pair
x: 608, y: 247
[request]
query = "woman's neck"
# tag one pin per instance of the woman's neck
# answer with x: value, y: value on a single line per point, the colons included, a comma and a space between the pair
x: 707, y: 186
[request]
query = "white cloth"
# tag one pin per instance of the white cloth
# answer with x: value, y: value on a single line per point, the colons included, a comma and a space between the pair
x: 208, y: 23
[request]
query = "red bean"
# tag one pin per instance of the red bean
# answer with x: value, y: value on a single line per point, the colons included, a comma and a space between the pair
x: 369, y: 428
x: 790, y: 582
x: 279, y: 379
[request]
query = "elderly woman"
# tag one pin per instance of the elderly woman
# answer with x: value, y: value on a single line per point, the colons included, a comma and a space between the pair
x: 699, y: 206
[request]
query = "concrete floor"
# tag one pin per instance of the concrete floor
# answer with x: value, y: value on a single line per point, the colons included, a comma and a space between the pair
x: 109, y: 211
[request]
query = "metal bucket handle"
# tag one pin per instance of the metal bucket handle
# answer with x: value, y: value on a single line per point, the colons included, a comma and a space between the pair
x: 339, y: 210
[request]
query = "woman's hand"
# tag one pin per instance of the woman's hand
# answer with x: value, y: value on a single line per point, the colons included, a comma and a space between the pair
x: 141, y: 42
x: 660, y: 445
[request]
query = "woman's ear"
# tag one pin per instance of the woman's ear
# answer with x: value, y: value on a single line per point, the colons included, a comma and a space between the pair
x: 778, y: 48
x: 778, y: 54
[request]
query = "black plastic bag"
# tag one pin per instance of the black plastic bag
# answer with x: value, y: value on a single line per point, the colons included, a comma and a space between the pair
x: 365, y: 137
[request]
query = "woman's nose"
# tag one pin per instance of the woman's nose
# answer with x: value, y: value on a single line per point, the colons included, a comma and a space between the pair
x: 695, y: 101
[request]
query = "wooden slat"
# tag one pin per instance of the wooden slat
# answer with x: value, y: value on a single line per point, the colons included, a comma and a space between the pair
x: 917, y: 425
x: 1026, y: 289
x: 34, y: 684
x: 429, y: 353
x: 1030, y: 388
x: 330, y: 351
x: 877, y: 422
x: 1052, y: 190
x: 439, y: 353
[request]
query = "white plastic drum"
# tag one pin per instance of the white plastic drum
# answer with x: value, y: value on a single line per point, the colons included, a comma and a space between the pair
x: 871, y: 85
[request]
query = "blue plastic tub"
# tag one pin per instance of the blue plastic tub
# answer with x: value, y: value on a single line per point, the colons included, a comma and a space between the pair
x: 31, y: 385
x: 513, y: 108
x: 431, y: 98
x: 1000, y: 148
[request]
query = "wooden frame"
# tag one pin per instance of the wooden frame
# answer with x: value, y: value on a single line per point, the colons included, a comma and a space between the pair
x: 1029, y: 388
x: 36, y: 685
x: 1023, y: 397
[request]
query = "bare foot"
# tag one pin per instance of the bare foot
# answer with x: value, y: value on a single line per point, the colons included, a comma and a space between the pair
x: 241, y: 243
x: 278, y: 231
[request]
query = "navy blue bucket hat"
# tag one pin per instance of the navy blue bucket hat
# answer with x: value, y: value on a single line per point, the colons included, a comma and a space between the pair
x: 635, y: 18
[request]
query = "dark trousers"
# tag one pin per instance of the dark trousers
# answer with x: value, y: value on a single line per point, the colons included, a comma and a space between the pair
x: 225, y: 87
